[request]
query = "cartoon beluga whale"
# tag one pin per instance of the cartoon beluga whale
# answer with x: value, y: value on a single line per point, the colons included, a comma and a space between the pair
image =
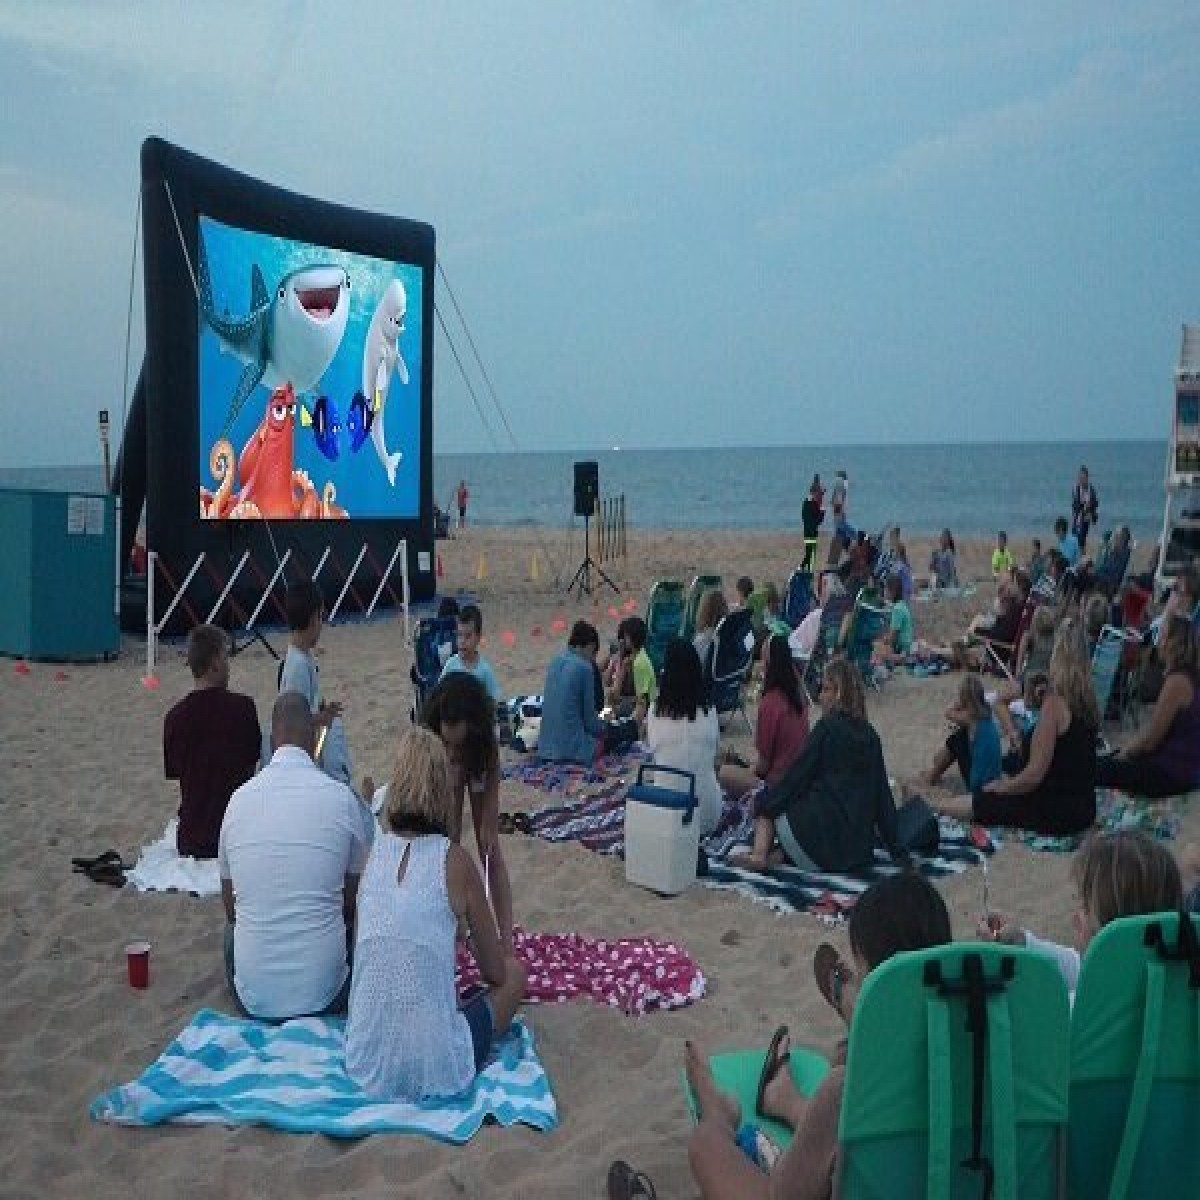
x: 381, y: 355
x: 290, y: 336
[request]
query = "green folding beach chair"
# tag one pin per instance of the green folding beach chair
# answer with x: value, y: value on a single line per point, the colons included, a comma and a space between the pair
x: 695, y: 593
x: 956, y: 1078
x: 664, y: 619
x: 1135, y: 1062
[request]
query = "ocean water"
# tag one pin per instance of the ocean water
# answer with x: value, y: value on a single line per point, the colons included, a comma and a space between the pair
x: 972, y: 489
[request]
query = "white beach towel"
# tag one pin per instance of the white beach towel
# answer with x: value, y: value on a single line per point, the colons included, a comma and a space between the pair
x: 160, y: 868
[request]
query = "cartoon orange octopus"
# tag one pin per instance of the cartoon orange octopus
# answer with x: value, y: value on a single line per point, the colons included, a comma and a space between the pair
x: 272, y: 487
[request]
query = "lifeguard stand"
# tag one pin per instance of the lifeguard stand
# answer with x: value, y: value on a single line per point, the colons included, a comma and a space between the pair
x: 1180, y: 541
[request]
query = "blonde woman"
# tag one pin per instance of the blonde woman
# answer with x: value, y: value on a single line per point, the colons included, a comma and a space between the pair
x: 1055, y: 792
x: 709, y: 612
x: 406, y: 1036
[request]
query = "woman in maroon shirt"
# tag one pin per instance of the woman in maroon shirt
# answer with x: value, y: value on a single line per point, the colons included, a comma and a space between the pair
x: 782, y: 727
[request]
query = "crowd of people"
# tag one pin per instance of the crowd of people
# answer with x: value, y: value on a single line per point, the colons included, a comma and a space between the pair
x: 356, y: 903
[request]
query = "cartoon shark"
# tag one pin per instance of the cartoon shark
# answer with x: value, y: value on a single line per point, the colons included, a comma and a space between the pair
x: 381, y: 354
x: 289, y: 337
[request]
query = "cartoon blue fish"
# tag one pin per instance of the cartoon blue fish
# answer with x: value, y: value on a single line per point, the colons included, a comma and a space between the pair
x: 324, y: 423
x: 358, y: 421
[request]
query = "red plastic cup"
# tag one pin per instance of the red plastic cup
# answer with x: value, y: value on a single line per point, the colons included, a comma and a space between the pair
x: 137, y: 956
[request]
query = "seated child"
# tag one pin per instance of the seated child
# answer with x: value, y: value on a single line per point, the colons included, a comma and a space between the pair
x: 406, y: 1036
x: 1121, y: 874
x: 211, y: 743
x: 896, y: 643
x: 975, y: 742
x: 773, y: 620
x: 635, y: 686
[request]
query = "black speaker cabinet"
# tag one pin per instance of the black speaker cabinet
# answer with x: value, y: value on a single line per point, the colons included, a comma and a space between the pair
x: 587, y: 488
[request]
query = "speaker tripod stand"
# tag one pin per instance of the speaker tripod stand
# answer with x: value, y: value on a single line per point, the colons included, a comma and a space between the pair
x: 582, y: 579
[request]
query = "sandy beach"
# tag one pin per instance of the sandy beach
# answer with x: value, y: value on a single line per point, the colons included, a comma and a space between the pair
x: 82, y: 771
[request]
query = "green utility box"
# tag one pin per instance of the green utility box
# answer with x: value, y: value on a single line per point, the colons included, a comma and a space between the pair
x: 58, y: 575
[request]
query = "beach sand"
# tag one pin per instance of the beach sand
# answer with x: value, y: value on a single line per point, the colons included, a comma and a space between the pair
x: 82, y: 771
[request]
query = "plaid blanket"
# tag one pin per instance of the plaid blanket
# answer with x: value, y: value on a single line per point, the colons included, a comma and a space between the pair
x: 1114, y: 810
x: 829, y: 895
x: 605, y: 777
x: 599, y: 825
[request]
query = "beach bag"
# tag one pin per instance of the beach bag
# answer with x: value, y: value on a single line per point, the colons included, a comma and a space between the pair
x: 917, y: 829
x: 619, y: 733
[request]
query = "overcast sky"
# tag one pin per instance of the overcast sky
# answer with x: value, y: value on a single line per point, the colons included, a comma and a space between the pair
x: 667, y: 223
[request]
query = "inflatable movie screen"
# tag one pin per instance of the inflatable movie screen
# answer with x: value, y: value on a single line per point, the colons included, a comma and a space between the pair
x: 309, y: 379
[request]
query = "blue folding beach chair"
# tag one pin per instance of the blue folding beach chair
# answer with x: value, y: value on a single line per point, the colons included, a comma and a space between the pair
x: 435, y: 639
x: 866, y: 627
x: 798, y: 602
x: 664, y: 619
x: 1106, y: 663
x: 836, y: 609
x: 733, y: 656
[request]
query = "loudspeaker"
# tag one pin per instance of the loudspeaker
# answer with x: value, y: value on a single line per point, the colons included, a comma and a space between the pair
x: 587, y: 488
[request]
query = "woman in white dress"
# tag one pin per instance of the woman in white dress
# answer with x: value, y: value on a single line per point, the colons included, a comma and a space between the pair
x: 407, y: 1038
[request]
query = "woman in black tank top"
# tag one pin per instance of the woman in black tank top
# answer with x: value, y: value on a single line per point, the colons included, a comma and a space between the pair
x: 1055, y: 792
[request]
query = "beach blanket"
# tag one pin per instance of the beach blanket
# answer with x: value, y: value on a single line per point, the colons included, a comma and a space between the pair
x: 598, y: 824
x: 228, y: 1071
x: 160, y: 868
x: 636, y: 975
x: 605, y: 777
x: 1114, y: 810
x: 829, y: 895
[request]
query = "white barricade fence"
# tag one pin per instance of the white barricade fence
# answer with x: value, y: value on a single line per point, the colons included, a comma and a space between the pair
x: 156, y: 624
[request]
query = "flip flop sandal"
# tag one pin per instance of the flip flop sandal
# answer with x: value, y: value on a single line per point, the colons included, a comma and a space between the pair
x: 107, y: 872
x: 772, y: 1065
x: 830, y: 975
x: 624, y: 1183
x: 85, y: 865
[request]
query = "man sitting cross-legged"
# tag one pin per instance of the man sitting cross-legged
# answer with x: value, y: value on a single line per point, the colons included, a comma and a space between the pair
x: 293, y: 846
x: 211, y: 743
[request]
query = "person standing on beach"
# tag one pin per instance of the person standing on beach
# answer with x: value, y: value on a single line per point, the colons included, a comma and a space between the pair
x: 843, y: 532
x: 812, y: 513
x: 1085, y: 507
x: 211, y: 744
x: 461, y: 496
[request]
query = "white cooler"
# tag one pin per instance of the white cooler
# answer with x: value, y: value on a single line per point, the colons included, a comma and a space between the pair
x: 662, y: 835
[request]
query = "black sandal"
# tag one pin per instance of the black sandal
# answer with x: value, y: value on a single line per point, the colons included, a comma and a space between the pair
x: 624, y: 1183
x: 772, y: 1065
x: 84, y: 865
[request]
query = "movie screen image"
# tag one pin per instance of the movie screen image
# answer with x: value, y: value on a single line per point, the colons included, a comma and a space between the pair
x: 309, y: 380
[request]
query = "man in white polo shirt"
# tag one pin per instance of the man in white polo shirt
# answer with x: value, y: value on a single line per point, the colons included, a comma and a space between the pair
x: 292, y: 848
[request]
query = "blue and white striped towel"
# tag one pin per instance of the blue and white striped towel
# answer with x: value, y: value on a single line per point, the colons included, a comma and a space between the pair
x: 223, y: 1070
